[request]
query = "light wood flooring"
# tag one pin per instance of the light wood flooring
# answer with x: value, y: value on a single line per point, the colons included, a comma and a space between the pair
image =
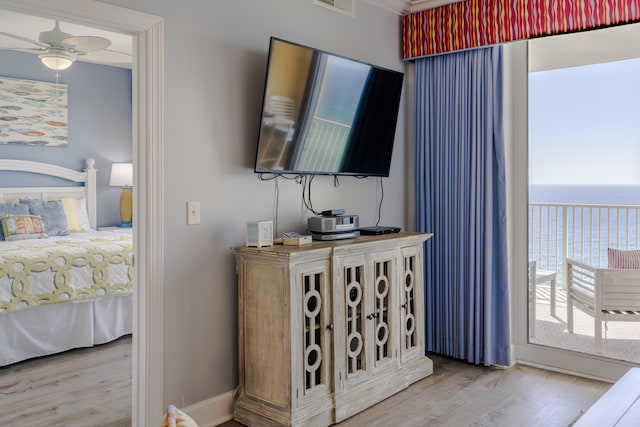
x: 86, y: 387
x: 92, y: 387
x: 460, y: 395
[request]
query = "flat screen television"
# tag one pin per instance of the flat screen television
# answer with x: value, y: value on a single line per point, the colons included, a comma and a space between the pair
x: 326, y: 114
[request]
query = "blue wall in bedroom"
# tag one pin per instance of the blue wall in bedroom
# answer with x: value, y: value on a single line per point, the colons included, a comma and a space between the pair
x: 99, y: 117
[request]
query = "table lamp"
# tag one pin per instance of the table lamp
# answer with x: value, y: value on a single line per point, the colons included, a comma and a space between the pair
x: 122, y: 176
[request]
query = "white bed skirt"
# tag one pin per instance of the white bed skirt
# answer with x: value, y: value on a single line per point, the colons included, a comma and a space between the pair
x: 52, y: 328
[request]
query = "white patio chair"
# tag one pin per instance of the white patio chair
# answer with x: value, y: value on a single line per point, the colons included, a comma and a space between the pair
x: 538, y: 277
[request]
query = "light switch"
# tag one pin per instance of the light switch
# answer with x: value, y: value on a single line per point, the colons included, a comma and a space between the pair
x: 193, y: 213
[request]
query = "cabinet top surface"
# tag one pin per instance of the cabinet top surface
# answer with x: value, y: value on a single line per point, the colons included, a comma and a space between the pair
x: 285, y: 250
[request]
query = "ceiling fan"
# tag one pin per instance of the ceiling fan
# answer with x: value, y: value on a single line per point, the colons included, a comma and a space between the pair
x: 60, y: 50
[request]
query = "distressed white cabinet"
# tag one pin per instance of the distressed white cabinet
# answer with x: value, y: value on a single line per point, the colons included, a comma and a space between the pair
x: 327, y: 330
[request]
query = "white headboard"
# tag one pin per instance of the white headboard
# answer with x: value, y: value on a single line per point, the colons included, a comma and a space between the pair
x: 86, y: 177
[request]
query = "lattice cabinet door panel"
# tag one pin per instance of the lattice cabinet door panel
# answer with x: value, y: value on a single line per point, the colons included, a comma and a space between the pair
x: 410, y: 297
x: 411, y: 286
x: 384, y: 314
x: 313, y: 330
x: 352, y: 303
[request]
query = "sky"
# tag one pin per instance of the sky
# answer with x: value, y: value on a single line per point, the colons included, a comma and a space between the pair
x: 584, y: 124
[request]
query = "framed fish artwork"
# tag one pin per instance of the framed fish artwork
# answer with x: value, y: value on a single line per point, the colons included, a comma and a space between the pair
x: 33, y: 112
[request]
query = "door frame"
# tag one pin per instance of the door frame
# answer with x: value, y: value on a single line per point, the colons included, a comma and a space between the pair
x: 148, y: 249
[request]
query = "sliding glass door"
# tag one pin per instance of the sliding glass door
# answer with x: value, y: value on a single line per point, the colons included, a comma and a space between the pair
x: 575, y: 193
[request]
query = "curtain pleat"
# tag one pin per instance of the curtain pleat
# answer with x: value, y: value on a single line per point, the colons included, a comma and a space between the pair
x: 460, y: 197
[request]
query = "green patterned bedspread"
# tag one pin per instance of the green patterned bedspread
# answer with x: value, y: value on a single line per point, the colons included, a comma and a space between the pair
x: 48, y: 271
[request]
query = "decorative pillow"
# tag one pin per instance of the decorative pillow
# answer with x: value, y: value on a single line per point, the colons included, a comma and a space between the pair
x: 70, y: 207
x: 83, y: 215
x: 20, y: 227
x: 52, y: 213
x: 618, y: 258
x: 12, y: 209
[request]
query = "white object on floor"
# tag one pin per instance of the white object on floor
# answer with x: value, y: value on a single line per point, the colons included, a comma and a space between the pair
x: 620, y: 406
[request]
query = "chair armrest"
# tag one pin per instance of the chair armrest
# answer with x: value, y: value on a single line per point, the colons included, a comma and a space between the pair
x: 573, y: 262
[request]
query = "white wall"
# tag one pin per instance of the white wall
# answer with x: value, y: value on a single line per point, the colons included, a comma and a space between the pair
x: 215, y: 59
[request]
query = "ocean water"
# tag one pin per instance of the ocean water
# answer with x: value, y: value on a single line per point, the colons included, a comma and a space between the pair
x: 591, y: 230
x: 586, y: 194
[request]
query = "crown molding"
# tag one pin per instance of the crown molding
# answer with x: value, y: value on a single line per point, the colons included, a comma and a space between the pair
x: 406, y: 7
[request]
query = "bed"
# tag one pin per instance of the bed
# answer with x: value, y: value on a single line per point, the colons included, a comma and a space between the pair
x: 59, y: 292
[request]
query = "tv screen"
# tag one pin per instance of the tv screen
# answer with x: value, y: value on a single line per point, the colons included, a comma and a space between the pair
x: 326, y: 114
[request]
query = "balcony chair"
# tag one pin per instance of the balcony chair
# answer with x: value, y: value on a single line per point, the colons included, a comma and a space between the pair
x: 603, y: 293
x: 538, y: 277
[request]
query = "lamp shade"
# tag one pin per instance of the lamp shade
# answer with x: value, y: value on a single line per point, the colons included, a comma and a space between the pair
x: 121, y: 175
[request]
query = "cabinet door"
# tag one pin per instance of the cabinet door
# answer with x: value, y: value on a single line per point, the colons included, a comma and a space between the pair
x: 351, y: 306
x: 411, y: 301
x: 384, y: 314
x: 366, y: 309
x: 312, y: 330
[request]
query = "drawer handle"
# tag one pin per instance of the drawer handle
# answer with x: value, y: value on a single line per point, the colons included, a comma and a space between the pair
x: 404, y: 306
x: 330, y: 327
x: 373, y: 316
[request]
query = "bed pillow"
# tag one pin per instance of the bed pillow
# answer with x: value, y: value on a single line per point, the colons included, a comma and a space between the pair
x: 21, y: 227
x: 83, y: 214
x: 52, y: 214
x: 12, y: 209
x: 70, y: 207
x: 618, y: 258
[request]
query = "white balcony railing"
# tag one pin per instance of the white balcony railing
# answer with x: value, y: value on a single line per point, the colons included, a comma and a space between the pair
x: 583, y: 232
x: 325, y: 146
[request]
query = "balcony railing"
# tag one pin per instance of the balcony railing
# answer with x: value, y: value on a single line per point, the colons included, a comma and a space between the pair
x: 327, y: 142
x: 583, y: 232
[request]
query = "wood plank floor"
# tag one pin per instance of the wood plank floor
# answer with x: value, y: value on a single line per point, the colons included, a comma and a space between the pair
x: 460, y: 395
x: 86, y: 387
x: 92, y: 387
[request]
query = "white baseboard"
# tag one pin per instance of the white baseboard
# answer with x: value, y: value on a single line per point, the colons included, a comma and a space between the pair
x: 213, y: 411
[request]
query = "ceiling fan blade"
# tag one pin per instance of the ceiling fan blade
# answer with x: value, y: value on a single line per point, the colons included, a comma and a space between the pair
x: 12, y: 41
x: 85, y: 44
x: 108, y: 57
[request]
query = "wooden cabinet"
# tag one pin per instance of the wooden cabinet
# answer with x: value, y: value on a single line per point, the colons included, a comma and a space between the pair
x: 326, y: 330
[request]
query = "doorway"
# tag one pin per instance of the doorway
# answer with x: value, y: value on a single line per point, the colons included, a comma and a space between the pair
x: 521, y: 58
x: 147, y: 32
x: 584, y: 198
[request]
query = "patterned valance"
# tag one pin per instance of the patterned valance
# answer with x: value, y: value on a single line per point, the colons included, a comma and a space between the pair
x: 475, y: 23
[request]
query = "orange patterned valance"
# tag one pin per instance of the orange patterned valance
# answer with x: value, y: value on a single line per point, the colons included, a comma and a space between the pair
x: 475, y: 23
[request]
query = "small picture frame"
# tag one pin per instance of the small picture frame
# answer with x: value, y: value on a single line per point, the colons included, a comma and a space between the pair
x: 345, y: 7
x: 260, y: 233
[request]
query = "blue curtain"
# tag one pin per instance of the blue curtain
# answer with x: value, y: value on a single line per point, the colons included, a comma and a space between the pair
x: 460, y: 197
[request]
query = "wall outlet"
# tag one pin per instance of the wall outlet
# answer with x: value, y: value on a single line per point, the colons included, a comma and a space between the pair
x: 193, y: 213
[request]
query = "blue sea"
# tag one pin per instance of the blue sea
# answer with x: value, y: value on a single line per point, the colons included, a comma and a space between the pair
x: 586, y: 194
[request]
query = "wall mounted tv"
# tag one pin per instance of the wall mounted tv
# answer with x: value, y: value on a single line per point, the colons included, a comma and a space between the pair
x: 326, y: 114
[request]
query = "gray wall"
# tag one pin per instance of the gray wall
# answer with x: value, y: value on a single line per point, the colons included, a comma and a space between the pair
x: 215, y: 59
x: 99, y: 115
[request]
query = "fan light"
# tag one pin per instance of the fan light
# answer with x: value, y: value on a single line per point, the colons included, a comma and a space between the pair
x: 57, y: 60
